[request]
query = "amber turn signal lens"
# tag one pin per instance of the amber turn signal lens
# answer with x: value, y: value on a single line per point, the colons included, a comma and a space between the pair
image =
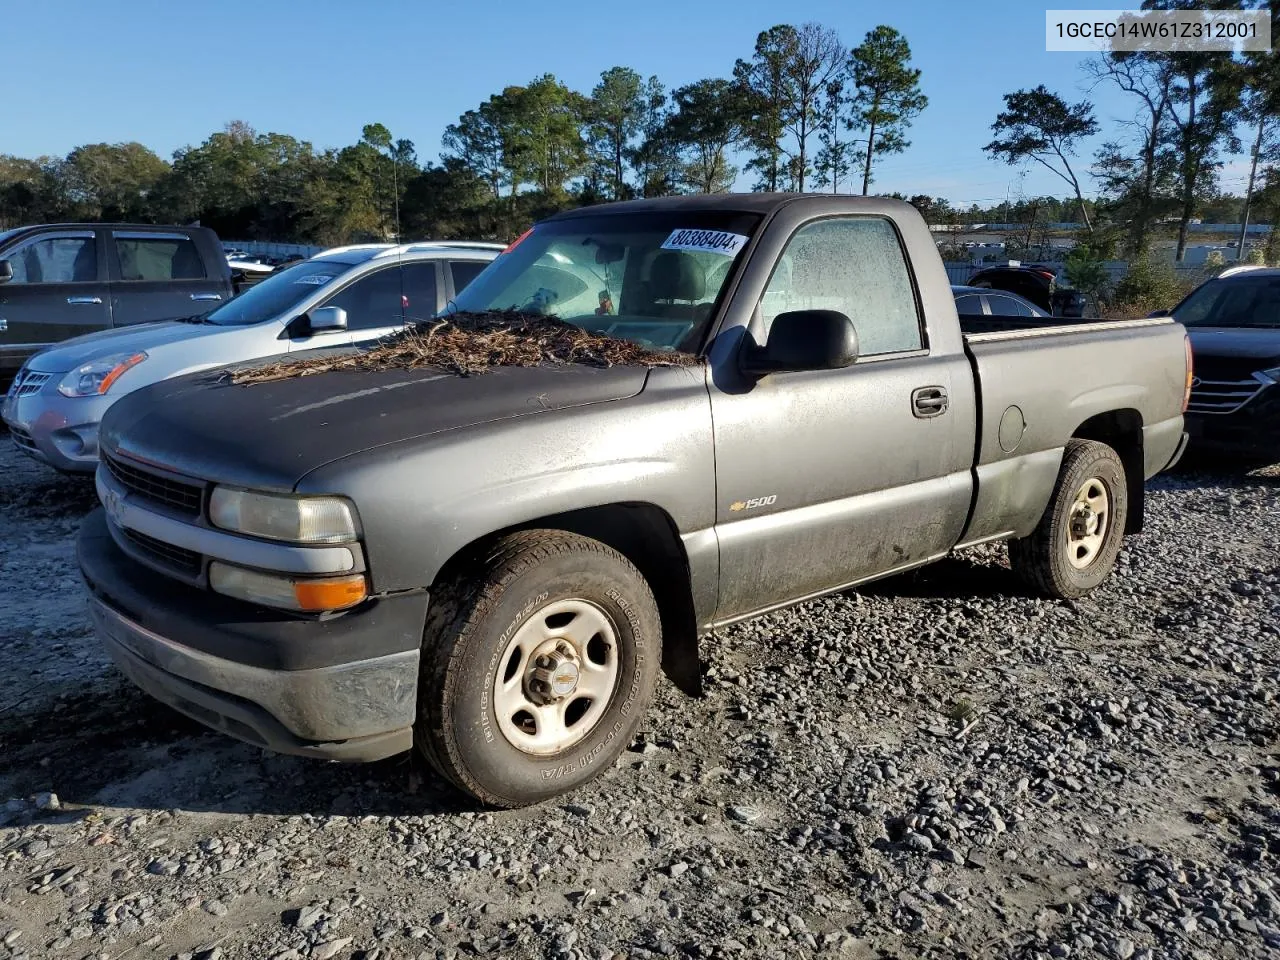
x: 1186, y: 393
x: 337, y: 594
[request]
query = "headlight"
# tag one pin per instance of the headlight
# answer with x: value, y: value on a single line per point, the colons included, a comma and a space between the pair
x: 95, y: 378
x: 1273, y: 374
x: 288, y: 593
x: 293, y: 519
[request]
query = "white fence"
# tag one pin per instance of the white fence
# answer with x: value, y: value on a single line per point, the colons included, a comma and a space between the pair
x: 1228, y: 228
x: 263, y: 248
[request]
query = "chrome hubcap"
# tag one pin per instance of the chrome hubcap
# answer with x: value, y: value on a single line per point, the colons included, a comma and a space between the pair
x: 556, y: 677
x: 1089, y: 520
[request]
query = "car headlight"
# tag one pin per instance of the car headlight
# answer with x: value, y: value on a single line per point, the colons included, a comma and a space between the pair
x: 276, y: 517
x: 1273, y: 374
x: 96, y: 377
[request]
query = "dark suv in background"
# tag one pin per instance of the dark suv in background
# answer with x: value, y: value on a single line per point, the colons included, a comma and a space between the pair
x: 65, y: 279
x: 1234, y: 324
x: 1037, y: 283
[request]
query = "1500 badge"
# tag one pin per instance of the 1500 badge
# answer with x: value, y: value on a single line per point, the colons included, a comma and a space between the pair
x: 754, y: 502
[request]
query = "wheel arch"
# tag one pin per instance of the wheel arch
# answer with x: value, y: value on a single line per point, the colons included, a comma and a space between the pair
x: 1121, y: 430
x: 646, y: 535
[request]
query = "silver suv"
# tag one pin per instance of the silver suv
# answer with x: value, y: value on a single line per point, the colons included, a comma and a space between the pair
x: 344, y: 296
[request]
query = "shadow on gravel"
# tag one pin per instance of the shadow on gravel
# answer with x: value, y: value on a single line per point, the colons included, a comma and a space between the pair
x: 953, y: 578
x: 54, y: 496
x: 121, y: 749
x: 1205, y: 470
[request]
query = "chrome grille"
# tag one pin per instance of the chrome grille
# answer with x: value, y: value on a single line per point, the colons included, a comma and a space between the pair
x: 181, y: 497
x: 165, y: 554
x: 1222, y: 396
x: 27, y: 383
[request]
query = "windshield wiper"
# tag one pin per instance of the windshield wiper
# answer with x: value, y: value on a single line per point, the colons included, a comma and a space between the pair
x: 194, y: 318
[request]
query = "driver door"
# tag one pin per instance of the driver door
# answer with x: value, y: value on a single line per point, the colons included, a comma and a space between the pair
x: 372, y: 303
x: 828, y: 477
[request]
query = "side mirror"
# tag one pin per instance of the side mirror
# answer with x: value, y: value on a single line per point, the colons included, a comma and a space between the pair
x: 6, y: 271
x: 326, y: 320
x: 805, y: 340
x: 1157, y: 313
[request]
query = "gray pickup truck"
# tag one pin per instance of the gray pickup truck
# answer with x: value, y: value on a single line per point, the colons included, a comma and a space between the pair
x: 494, y: 568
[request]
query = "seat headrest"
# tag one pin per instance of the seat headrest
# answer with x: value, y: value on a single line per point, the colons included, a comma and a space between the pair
x: 676, y: 276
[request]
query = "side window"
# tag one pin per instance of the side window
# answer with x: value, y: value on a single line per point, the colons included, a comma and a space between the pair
x: 158, y: 258
x: 464, y: 271
x: 419, y: 290
x: 1008, y: 307
x: 55, y: 260
x: 854, y: 265
x: 969, y: 303
x: 372, y: 301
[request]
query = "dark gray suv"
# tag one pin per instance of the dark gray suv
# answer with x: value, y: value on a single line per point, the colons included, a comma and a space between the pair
x: 65, y: 279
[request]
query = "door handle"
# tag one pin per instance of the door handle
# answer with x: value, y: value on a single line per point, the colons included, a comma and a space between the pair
x: 84, y: 299
x: 206, y: 296
x: 928, y: 402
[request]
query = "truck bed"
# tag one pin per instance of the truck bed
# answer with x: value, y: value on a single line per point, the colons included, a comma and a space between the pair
x: 986, y: 323
x: 1039, y: 384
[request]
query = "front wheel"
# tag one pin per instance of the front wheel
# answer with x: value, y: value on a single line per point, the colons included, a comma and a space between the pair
x: 1075, y: 545
x: 538, y: 662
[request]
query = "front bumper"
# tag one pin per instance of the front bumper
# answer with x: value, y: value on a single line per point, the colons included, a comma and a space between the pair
x: 1252, y: 432
x: 350, y: 694
x: 57, y: 430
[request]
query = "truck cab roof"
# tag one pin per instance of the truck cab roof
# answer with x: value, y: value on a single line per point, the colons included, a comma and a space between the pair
x: 757, y: 203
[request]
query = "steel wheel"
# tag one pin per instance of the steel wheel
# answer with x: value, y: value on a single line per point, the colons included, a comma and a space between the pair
x: 1089, y: 522
x: 556, y: 677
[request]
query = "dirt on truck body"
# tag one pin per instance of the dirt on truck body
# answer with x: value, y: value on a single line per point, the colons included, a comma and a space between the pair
x: 743, y: 402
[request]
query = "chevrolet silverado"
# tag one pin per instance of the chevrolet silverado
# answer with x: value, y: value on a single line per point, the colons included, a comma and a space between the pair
x: 493, y: 568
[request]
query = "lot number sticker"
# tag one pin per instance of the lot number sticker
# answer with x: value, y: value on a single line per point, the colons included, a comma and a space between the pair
x: 711, y: 241
x: 315, y: 279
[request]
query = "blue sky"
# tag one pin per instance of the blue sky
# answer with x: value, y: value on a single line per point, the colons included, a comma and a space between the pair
x: 168, y: 74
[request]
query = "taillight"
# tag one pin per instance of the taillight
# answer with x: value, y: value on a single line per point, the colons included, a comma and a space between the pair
x: 1186, y: 393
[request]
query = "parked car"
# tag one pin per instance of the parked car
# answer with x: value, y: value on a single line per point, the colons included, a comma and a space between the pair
x: 1037, y: 283
x: 1234, y: 324
x: 249, y: 264
x: 986, y: 301
x: 60, y: 280
x: 494, y: 567
x: 346, y: 295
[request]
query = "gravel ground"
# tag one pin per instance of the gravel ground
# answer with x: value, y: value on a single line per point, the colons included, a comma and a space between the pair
x: 938, y: 766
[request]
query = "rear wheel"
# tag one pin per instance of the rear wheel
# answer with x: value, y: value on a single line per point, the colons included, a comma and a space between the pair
x: 538, y: 662
x: 1075, y: 545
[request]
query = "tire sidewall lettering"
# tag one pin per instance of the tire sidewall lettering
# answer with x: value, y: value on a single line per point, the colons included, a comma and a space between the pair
x: 486, y: 701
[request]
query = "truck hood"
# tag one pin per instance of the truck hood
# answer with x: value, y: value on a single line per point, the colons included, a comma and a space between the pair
x: 1258, y: 344
x: 269, y: 435
x: 70, y: 354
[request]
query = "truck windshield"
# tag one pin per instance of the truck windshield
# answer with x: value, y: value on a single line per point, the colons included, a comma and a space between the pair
x: 654, y: 279
x: 276, y: 294
x: 1233, y: 302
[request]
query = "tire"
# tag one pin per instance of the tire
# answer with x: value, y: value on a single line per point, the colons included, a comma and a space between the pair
x: 1044, y: 559
x: 487, y: 623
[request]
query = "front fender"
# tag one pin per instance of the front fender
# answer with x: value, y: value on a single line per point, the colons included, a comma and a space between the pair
x: 422, y: 501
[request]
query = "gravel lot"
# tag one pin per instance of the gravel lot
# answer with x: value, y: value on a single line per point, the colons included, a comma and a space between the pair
x: 938, y: 766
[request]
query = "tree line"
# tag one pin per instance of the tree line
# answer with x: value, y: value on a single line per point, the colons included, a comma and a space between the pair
x: 802, y: 112
x: 1190, y: 109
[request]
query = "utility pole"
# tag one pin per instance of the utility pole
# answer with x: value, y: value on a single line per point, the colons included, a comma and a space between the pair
x: 1248, y: 193
x: 395, y: 190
